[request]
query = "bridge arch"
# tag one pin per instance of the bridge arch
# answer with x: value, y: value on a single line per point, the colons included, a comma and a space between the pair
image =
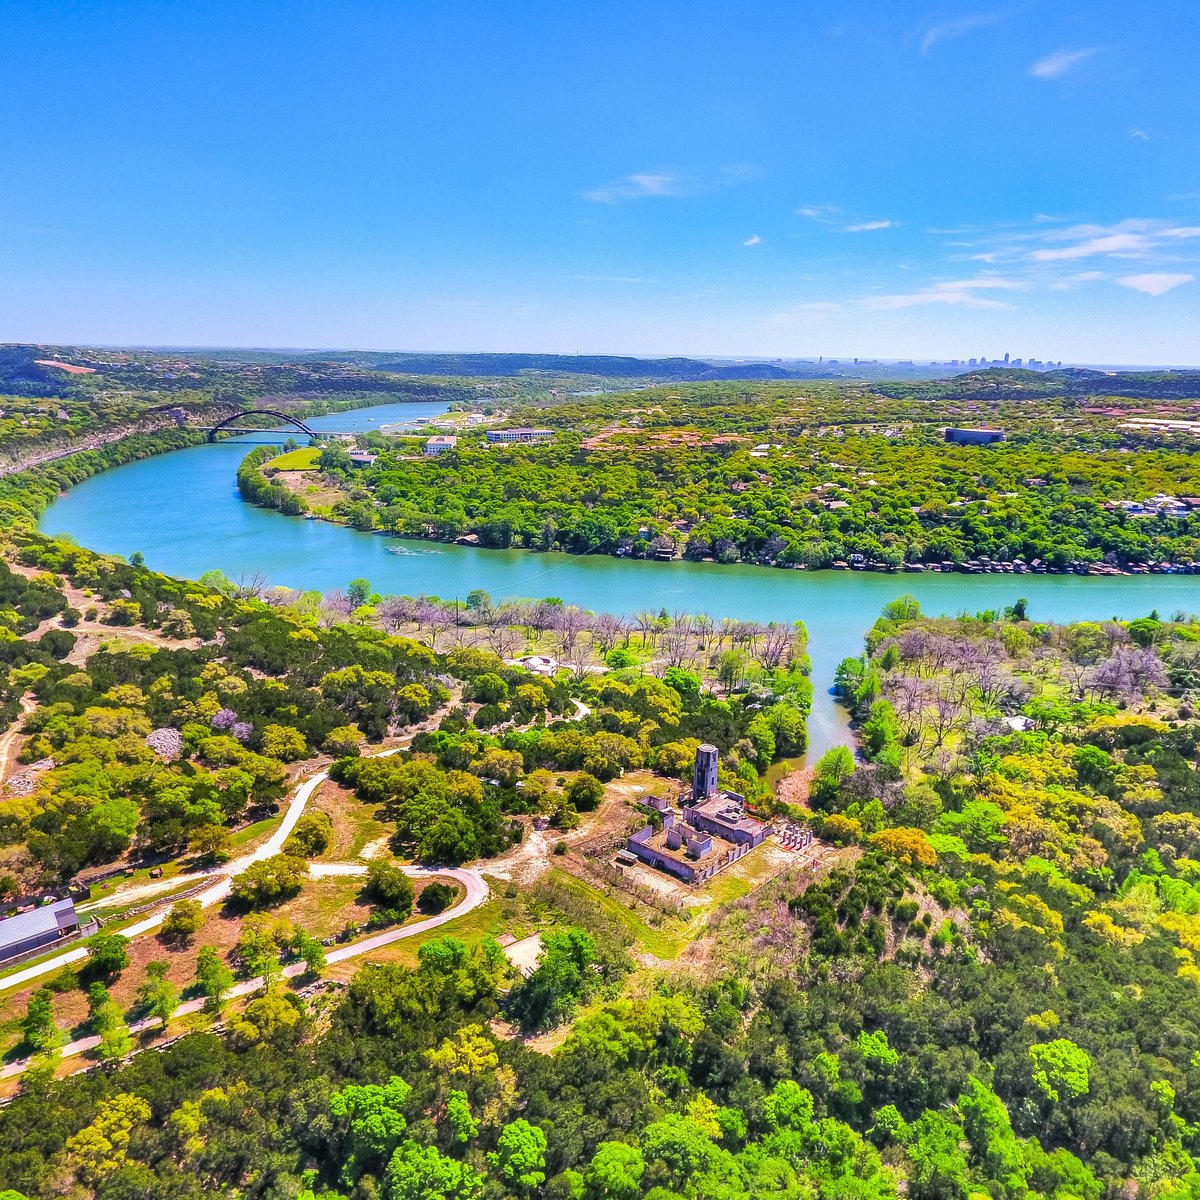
x: 262, y: 412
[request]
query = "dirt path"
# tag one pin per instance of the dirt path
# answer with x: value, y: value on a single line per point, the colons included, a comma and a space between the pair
x: 9, y: 747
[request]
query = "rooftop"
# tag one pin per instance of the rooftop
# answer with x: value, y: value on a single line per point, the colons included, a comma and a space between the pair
x: 729, y: 809
x: 49, y: 918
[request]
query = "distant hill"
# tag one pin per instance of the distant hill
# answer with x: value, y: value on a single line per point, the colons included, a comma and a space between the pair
x: 1008, y: 383
x: 600, y: 366
x: 22, y: 375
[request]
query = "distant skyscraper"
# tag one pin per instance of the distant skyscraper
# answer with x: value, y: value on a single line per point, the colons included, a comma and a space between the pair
x: 1006, y: 358
x: 704, y: 777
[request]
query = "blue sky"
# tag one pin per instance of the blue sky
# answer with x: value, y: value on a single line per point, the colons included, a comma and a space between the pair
x: 788, y: 179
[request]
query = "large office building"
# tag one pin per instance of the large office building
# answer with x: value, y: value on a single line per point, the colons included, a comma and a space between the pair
x: 499, y: 436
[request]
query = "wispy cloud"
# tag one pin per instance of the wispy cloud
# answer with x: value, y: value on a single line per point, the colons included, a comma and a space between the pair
x: 640, y: 186
x: 1123, y: 244
x: 869, y: 226
x: 612, y: 278
x: 1136, y: 237
x: 945, y: 31
x: 753, y: 240
x: 666, y: 184
x: 1069, y: 282
x: 1154, y: 283
x: 1056, y: 65
x: 960, y: 292
x: 1140, y: 134
x: 826, y: 214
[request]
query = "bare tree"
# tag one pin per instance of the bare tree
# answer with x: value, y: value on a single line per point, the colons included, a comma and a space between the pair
x: 396, y: 611
x: 644, y: 623
x: 607, y: 630
x: 505, y: 641
x: 774, y: 647
x: 569, y: 622
x: 677, y: 644
x: 1129, y: 674
x: 251, y: 586
x: 436, y: 616
x: 335, y: 608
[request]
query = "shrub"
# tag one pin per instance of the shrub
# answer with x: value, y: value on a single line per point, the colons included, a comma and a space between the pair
x: 436, y: 897
x: 270, y: 881
x: 311, y: 836
x: 390, y: 890
x: 183, y: 921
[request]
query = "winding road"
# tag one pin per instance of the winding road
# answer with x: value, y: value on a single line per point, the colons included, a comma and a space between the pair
x: 474, y: 887
x: 476, y: 892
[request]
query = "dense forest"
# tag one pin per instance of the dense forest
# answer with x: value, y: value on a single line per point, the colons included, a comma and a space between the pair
x: 990, y: 989
x: 980, y: 981
x: 780, y: 477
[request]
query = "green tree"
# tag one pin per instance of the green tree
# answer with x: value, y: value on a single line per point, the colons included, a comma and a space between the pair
x: 183, y: 921
x: 458, y: 1114
x: 157, y: 994
x: 938, y: 1167
x: 284, y: 743
x: 419, y: 1172
x: 311, y: 953
x: 615, y: 1172
x: 563, y: 976
x: 41, y: 1034
x: 833, y: 768
x: 1061, y: 1069
x: 213, y: 978
x: 520, y: 1155
x: 108, y: 955
x: 584, y: 792
x: 372, y: 1118
x: 210, y: 842
x: 269, y: 881
x: 101, y: 1148
x: 391, y: 890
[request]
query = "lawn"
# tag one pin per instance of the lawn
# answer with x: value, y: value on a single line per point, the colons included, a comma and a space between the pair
x: 489, y: 919
x: 666, y: 942
x: 326, y: 906
x: 303, y: 459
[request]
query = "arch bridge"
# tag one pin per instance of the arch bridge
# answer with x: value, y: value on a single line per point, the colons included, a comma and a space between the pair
x: 228, y: 422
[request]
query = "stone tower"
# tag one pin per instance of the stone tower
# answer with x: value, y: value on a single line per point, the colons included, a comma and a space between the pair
x: 704, y: 777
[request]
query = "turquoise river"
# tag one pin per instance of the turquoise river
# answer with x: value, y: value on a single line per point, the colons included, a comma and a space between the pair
x: 183, y: 512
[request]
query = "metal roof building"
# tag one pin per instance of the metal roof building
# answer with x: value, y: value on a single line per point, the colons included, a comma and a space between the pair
x: 39, y: 927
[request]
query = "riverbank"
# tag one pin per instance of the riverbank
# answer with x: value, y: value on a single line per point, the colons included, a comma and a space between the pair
x: 183, y: 512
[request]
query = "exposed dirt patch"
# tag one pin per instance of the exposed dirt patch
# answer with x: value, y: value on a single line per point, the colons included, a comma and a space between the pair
x: 795, y: 786
x: 70, y: 1007
x: 70, y: 368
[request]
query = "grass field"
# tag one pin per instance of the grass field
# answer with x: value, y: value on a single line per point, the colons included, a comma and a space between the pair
x: 666, y: 942
x: 303, y: 459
